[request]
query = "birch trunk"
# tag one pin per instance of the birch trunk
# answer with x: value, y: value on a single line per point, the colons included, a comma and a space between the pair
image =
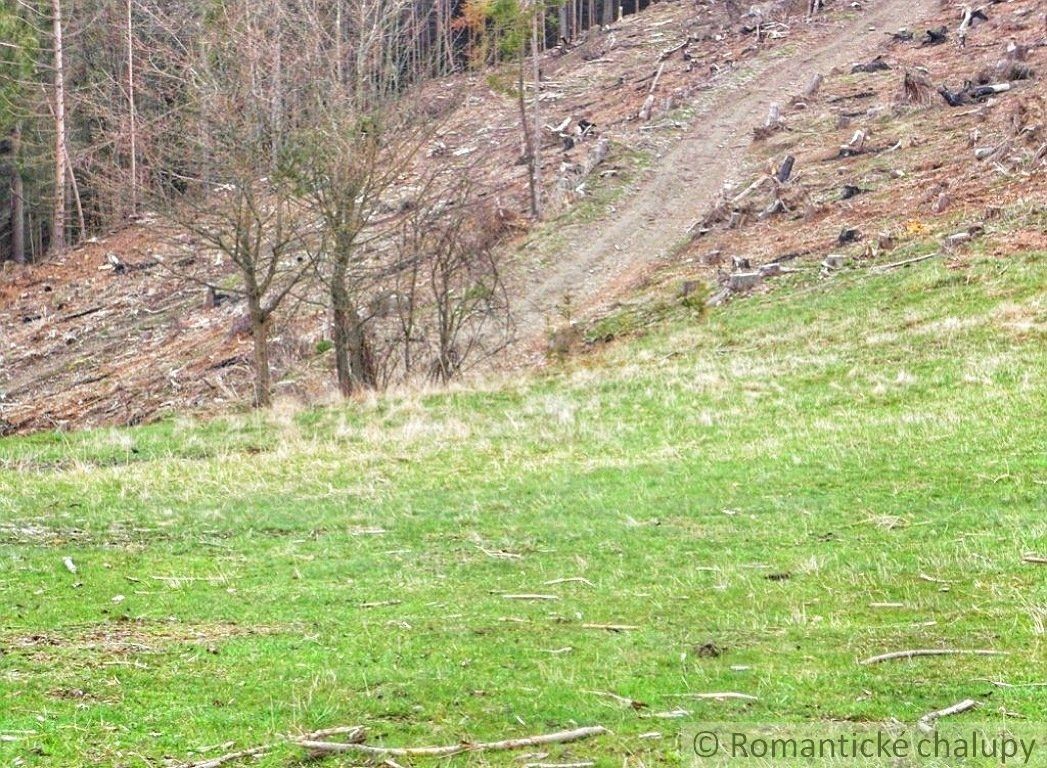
x: 61, y: 165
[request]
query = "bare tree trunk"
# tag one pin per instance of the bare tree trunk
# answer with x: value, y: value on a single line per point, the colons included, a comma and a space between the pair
x: 77, y: 202
x: 536, y: 132
x: 361, y: 358
x: 17, y: 201
x: 131, y: 112
x: 354, y: 364
x: 263, y: 383
x: 61, y: 166
x: 528, y: 141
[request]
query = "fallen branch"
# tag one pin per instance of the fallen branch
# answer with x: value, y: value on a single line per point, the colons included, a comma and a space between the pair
x: 224, y: 759
x: 624, y: 700
x: 1035, y: 559
x: 648, y: 105
x: 855, y: 146
x: 926, y: 723
x: 719, y: 696
x: 1002, y: 684
x: 969, y: 16
x: 560, y: 737
x: 670, y: 51
x: 570, y: 580
x: 531, y: 597
x: 895, y: 265
x: 354, y: 732
x: 928, y: 652
x: 500, y: 554
x: 611, y: 627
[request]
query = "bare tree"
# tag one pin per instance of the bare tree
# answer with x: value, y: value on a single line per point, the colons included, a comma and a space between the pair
x: 234, y: 194
x: 257, y: 228
x: 360, y: 133
x: 452, y: 299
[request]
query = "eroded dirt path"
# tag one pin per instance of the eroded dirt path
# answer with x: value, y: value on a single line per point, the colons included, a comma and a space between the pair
x: 678, y: 189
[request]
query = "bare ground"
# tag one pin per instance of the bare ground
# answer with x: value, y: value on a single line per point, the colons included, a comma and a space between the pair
x: 657, y: 215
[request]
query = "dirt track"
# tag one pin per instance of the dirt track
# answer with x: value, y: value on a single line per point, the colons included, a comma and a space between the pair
x: 659, y: 210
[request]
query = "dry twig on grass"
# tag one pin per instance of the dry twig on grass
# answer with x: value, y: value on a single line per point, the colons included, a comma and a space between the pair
x: 624, y: 700
x: 885, y: 268
x: 531, y: 597
x: 928, y: 652
x: 1035, y: 559
x: 353, y: 732
x: 560, y: 737
x: 926, y: 723
x: 225, y: 759
x: 1002, y: 684
x: 717, y: 696
x: 570, y: 580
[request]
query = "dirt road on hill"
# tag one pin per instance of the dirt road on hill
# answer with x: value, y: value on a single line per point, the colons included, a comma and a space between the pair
x: 679, y: 188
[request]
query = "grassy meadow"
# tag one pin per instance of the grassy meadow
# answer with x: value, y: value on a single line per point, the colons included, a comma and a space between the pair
x: 757, y: 500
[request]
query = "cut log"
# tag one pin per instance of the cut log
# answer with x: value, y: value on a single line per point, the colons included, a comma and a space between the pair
x: 855, y: 146
x: 876, y: 65
x: 970, y: 16
x: 935, y: 36
x: 670, y: 51
x: 743, y: 281
x: 648, y: 105
x: 813, y: 86
x: 972, y: 94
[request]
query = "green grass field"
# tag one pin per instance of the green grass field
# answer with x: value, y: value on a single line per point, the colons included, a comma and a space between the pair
x: 803, y: 479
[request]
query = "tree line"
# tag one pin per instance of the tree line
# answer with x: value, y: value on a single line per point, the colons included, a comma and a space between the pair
x: 283, y: 138
x: 279, y: 140
x: 91, y: 89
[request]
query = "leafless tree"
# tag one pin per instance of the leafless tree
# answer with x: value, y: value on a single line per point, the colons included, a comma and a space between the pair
x: 452, y: 301
x: 234, y: 196
x: 361, y: 129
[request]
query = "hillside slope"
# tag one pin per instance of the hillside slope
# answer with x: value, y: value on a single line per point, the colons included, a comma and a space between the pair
x: 708, y: 152
x: 751, y: 503
x: 84, y: 345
